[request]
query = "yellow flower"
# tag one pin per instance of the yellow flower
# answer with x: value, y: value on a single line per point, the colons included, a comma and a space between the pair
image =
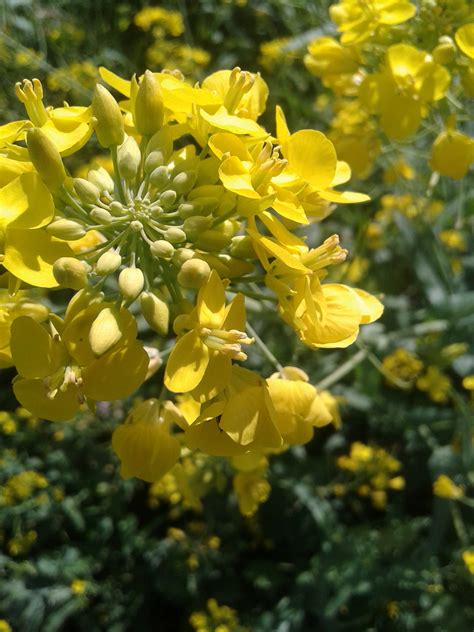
x: 401, y: 92
x: 468, y: 558
x: 436, y: 384
x: 452, y: 153
x: 59, y: 370
x: 144, y: 443
x: 26, y: 206
x: 444, y: 487
x: 402, y: 365
x: 201, y: 360
x: 298, y: 406
x: 464, y: 37
x: 468, y: 382
x: 78, y: 586
x: 241, y: 419
x: 252, y: 490
x: 4, y: 626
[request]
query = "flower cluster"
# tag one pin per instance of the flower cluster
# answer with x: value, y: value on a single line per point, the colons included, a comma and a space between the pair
x: 201, y: 208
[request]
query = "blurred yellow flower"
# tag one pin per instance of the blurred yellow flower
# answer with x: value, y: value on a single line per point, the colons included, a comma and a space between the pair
x: 444, y: 487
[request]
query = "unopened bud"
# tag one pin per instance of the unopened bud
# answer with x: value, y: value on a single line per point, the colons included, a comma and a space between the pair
x: 194, y: 273
x: 109, y: 125
x: 116, y: 208
x: 445, y: 51
x: 193, y: 226
x: 101, y: 178
x: 155, y: 312
x: 167, y: 198
x: 162, y: 249
x: 181, y: 255
x: 153, y: 160
x: 45, y: 157
x: 105, y: 331
x: 149, y: 107
x: 160, y: 177
x: 70, y: 272
x: 86, y: 191
x: 66, y: 229
x: 101, y: 215
x: 174, y: 234
x: 108, y: 263
x: 129, y: 158
x: 184, y: 182
x: 131, y: 281
x: 242, y: 247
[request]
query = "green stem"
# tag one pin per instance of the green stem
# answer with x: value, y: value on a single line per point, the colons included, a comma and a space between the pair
x: 263, y: 347
x: 117, y: 178
x: 342, y: 370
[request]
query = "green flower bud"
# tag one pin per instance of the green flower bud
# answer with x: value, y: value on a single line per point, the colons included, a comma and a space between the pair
x: 105, y: 331
x: 242, y: 247
x: 167, y: 198
x: 131, y: 281
x: 206, y: 205
x: 188, y: 210
x: 193, y: 226
x: 154, y: 160
x: 184, y: 182
x: 70, y: 272
x: 129, y: 158
x: 102, y: 180
x: 149, y: 107
x: 108, y: 126
x: 116, y: 208
x: 212, y: 240
x: 162, y: 249
x: 445, y: 51
x: 136, y: 226
x: 194, y: 273
x: 101, y: 215
x: 108, y: 263
x: 45, y: 157
x: 155, y: 312
x: 174, y: 234
x: 86, y: 191
x: 66, y: 229
x: 181, y: 255
x: 160, y: 177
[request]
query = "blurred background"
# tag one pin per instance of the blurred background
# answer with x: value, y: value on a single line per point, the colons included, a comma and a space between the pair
x: 367, y: 527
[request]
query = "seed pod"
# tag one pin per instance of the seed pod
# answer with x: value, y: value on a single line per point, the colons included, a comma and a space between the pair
x: 66, y: 229
x: 129, y: 158
x: 149, y: 107
x: 108, y: 263
x: 131, y: 281
x: 162, y: 249
x: 86, y: 191
x: 102, y: 179
x: 109, y: 125
x: 45, y: 157
x: 155, y: 312
x: 70, y: 272
x: 105, y: 331
x: 194, y: 273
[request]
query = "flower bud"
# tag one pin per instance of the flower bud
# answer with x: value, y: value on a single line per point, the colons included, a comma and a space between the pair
x: 181, y: 255
x: 160, y: 177
x: 155, y: 312
x: 154, y: 160
x: 174, y: 234
x: 194, y: 273
x: 445, y: 51
x: 131, y: 281
x: 193, y: 226
x: 70, y: 272
x: 86, y: 191
x: 101, y: 215
x: 105, y: 331
x: 167, y: 198
x: 102, y: 180
x: 108, y: 263
x: 186, y: 210
x: 184, y: 182
x: 66, y: 229
x: 149, y: 108
x: 162, y: 249
x: 242, y: 247
x: 109, y: 126
x: 116, y: 208
x: 129, y: 158
x: 212, y: 240
x: 45, y: 157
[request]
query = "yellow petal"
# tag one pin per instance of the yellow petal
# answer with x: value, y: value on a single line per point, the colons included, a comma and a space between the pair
x: 312, y: 157
x: 121, y: 85
x: 26, y: 203
x: 32, y: 348
x: 465, y: 39
x: 116, y: 374
x: 236, y: 178
x: 30, y: 255
x: 234, y: 124
x: 371, y: 308
x: 32, y: 395
x: 211, y: 302
x: 209, y: 438
x: 187, y: 363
